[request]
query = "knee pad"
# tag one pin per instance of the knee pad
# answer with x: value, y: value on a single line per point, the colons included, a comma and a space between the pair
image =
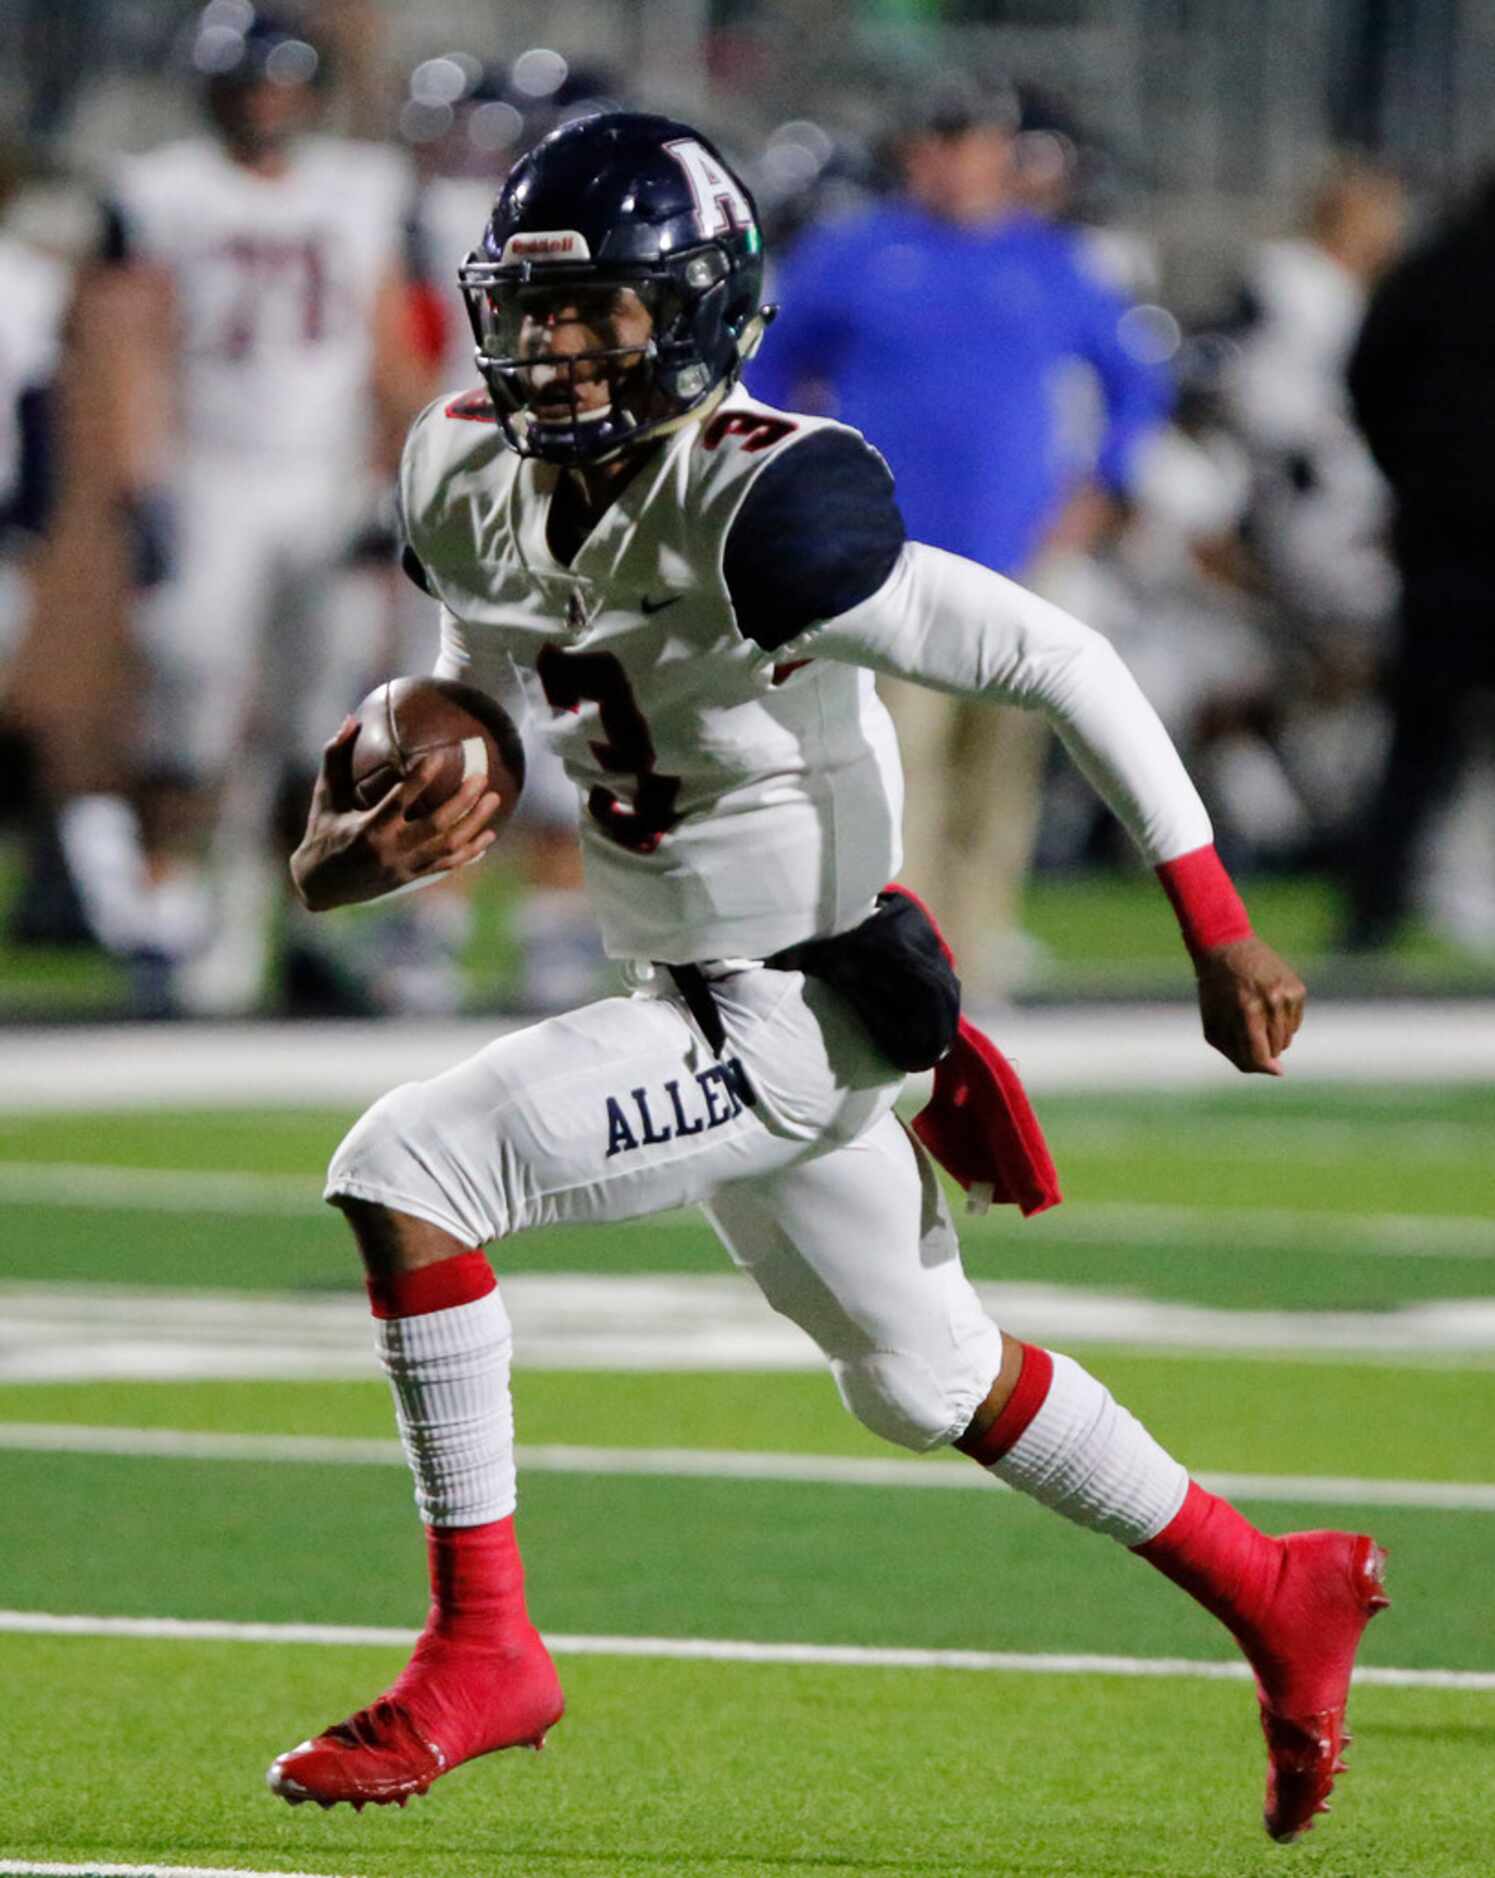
x: 901, y: 1398
x: 398, y: 1155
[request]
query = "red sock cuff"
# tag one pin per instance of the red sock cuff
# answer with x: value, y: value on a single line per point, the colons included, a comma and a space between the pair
x: 1022, y: 1405
x: 1209, y: 910
x: 462, y: 1279
x: 1177, y: 1538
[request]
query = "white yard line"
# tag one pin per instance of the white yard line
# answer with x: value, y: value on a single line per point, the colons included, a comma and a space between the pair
x: 706, y: 1464
x: 709, y: 1650
x: 158, y: 1190
x: 1078, y: 1048
x: 22, y: 1868
x: 1308, y: 1230
x: 1314, y: 1139
x: 1301, y: 1230
x: 51, y: 1333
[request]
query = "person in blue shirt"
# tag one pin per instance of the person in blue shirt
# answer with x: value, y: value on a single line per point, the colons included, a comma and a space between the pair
x: 947, y: 324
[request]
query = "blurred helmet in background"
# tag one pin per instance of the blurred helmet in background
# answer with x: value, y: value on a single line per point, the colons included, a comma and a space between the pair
x: 604, y: 220
x: 260, y: 74
x: 463, y: 117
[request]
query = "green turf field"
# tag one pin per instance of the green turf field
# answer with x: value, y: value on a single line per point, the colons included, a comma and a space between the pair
x: 150, y: 1751
x: 696, y: 1768
x: 1270, y: 1196
x: 1105, y: 933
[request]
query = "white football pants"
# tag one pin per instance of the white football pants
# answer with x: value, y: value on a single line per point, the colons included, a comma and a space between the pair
x: 620, y: 1110
x: 260, y: 628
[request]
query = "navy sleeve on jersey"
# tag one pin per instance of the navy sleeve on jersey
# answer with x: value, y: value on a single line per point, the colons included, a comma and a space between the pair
x: 818, y: 532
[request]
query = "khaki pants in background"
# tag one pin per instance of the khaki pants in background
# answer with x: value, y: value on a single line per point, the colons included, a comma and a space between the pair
x: 970, y: 819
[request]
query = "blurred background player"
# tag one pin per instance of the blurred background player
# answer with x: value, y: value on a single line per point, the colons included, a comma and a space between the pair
x: 36, y: 285
x: 262, y: 276
x: 34, y: 290
x: 1318, y: 518
x: 876, y: 329
x: 467, y: 122
x: 1423, y: 382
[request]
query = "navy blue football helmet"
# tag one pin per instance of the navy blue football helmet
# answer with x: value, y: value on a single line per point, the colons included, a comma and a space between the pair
x: 605, y: 220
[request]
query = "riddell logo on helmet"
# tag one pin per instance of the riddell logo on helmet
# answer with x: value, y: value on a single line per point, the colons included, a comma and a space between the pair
x: 551, y: 244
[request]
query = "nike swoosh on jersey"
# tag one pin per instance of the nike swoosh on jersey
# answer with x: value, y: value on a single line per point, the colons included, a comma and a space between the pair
x: 658, y: 606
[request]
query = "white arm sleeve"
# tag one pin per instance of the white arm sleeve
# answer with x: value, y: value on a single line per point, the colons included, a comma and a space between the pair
x: 955, y: 626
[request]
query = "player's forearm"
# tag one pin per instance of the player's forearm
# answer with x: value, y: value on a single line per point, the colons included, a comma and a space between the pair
x: 950, y: 624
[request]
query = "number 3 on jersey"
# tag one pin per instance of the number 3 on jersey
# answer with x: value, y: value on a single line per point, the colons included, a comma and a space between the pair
x: 569, y: 678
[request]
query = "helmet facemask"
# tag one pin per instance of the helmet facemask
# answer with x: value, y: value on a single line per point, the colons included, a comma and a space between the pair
x: 583, y: 362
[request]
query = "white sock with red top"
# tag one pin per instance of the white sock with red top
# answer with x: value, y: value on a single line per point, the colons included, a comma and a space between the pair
x: 1064, y: 1439
x: 444, y: 1340
x: 480, y: 1677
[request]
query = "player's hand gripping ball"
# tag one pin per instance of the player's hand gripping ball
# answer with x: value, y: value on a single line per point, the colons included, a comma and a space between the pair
x: 414, y: 786
x: 464, y: 731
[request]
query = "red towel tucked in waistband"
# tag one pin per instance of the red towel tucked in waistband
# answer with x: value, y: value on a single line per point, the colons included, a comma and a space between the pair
x: 979, y: 1124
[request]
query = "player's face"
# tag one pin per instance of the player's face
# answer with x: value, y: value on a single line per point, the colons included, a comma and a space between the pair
x: 574, y: 344
x: 965, y: 177
x: 263, y: 117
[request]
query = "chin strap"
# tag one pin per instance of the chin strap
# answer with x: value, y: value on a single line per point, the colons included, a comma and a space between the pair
x: 752, y: 334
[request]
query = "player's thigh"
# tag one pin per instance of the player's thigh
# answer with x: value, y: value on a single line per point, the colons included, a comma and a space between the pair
x: 857, y: 1247
x: 924, y: 721
x: 328, y: 649
x: 611, y: 1112
x: 998, y: 773
x: 199, y: 631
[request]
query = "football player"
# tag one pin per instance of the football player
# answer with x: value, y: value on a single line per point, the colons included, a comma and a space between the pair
x: 266, y: 268
x: 696, y: 591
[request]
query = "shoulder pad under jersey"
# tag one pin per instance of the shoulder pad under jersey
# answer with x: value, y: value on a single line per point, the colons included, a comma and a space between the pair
x: 455, y: 437
x: 732, y: 447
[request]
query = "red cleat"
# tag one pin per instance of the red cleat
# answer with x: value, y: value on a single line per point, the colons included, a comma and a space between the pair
x: 1302, y: 1648
x: 449, y: 1705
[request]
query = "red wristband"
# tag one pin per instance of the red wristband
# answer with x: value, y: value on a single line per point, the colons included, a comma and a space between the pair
x: 1209, y: 910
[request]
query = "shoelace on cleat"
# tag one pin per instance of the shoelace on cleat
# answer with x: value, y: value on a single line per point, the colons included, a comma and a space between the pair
x: 377, y: 1728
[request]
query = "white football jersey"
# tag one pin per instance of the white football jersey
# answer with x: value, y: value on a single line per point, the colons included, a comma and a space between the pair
x: 739, y: 798
x: 733, y: 803
x: 275, y: 281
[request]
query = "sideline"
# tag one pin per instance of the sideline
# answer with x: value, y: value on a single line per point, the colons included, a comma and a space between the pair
x: 828, y: 1470
x: 99, y: 1187
x: 722, y: 1650
x: 1157, y: 1046
x: 87, y: 1332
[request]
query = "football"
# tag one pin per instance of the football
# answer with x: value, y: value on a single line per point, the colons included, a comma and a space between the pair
x: 405, y: 719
